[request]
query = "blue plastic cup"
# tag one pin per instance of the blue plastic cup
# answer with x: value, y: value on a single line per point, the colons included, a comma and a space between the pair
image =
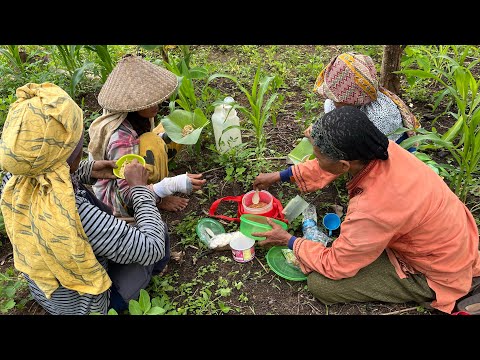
x: 331, y: 221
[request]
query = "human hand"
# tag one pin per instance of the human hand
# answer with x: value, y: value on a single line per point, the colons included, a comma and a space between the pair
x: 103, y: 169
x: 197, y: 181
x: 264, y: 180
x: 308, y: 132
x: 277, y: 236
x: 136, y: 174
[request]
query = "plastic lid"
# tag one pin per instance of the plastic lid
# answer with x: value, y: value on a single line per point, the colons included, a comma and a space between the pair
x: 277, y: 262
x: 211, y: 224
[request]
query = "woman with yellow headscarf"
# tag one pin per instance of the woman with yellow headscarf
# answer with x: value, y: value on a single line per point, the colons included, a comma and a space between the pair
x: 62, y: 240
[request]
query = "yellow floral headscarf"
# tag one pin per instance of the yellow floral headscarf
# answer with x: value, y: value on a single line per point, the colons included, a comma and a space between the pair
x: 42, y: 129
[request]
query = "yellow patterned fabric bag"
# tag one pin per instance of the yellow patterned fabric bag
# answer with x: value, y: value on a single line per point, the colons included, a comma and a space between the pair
x: 154, y: 150
x: 157, y: 153
x: 42, y: 129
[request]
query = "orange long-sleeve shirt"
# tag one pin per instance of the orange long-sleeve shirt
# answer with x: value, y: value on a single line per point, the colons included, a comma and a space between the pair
x: 402, y: 206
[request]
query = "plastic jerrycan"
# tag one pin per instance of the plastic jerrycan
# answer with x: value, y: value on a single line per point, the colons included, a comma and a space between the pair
x: 223, y: 117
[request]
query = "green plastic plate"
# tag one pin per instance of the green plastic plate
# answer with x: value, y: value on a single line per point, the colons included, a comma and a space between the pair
x: 281, y: 267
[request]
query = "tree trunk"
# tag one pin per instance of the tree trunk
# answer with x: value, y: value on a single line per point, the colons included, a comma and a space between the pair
x: 390, y: 63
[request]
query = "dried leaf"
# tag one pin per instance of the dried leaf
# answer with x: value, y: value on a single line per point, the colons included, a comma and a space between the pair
x: 177, y: 255
x: 4, y: 258
x: 338, y: 210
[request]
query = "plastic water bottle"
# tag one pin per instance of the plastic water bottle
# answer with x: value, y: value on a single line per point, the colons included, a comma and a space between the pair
x: 310, y: 228
x: 224, y: 117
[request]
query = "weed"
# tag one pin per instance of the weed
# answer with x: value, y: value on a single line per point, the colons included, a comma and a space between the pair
x: 238, y: 285
x: 186, y: 229
x: 225, y: 259
x: 243, y: 297
x: 11, y: 285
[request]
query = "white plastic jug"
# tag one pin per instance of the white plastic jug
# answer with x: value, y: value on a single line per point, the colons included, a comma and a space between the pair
x: 223, y: 117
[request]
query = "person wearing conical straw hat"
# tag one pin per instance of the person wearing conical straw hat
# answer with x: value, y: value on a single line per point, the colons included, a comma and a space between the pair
x: 130, y: 100
x: 63, y: 241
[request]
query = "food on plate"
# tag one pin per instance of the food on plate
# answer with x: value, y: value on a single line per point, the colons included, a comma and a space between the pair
x: 290, y: 257
x: 187, y: 129
x: 122, y: 168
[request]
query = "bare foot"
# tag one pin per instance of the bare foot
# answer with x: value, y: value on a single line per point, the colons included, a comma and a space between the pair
x: 173, y: 203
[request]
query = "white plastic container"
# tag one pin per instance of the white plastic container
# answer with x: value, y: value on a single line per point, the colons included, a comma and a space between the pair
x: 223, y: 117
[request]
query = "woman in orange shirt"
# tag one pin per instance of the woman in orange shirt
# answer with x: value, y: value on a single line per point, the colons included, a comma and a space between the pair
x: 405, y: 237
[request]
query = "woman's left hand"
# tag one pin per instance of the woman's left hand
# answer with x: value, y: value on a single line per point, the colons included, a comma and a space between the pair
x: 197, y: 181
x: 103, y: 169
x: 276, y: 236
x: 308, y: 132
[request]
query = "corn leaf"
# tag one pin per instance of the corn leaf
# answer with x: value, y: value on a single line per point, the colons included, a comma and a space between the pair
x: 197, y: 73
x: 453, y: 131
x: 407, y: 143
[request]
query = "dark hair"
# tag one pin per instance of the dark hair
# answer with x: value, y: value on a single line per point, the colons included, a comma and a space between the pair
x: 140, y: 124
x: 346, y: 133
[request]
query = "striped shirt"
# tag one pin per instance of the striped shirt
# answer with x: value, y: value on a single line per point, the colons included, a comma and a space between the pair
x: 111, y: 239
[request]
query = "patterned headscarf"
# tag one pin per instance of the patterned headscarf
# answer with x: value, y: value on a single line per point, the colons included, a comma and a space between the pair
x: 346, y: 133
x: 42, y: 129
x: 349, y: 78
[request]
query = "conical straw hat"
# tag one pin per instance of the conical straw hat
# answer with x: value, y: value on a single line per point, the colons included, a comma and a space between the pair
x: 136, y: 84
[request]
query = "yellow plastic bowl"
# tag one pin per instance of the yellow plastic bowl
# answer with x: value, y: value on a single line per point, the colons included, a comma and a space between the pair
x: 126, y: 159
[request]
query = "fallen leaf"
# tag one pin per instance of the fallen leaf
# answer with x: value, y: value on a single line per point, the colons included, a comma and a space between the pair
x: 338, y: 210
x: 177, y: 255
x: 2, y: 261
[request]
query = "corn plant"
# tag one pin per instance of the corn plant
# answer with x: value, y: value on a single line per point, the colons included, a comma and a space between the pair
x: 259, y: 111
x: 71, y: 59
x: 104, y: 59
x: 164, y: 50
x: 437, y: 60
x: 12, y: 54
x: 185, y: 96
x: 426, y: 57
x: 462, y: 140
